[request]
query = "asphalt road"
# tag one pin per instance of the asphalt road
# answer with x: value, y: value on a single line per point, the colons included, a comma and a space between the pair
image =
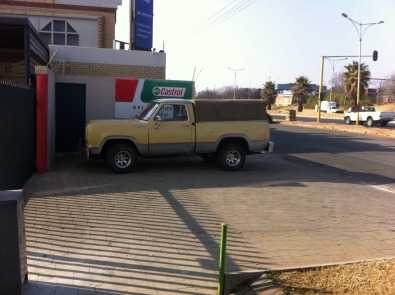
x: 391, y: 125
x: 371, y: 159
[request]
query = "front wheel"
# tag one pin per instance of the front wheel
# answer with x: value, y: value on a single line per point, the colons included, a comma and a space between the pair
x: 121, y: 158
x: 384, y: 123
x: 370, y: 122
x: 347, y: 120
x: 231, y: 157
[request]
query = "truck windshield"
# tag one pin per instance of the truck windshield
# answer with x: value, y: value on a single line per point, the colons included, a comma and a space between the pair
x: 147, y: 113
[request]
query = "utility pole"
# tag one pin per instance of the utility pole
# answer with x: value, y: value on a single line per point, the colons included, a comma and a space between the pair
x: 235, y: 81
x: 320, y: 89
x: 361, y: 29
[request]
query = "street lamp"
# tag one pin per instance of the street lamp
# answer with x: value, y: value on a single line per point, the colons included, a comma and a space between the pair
x: 361, y: 29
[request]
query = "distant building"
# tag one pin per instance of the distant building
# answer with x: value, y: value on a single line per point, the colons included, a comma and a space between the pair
x: 285, y: 96
x: 85, y: 23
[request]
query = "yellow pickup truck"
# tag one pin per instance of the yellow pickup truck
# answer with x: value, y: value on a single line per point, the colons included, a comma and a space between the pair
x: 215, y: 129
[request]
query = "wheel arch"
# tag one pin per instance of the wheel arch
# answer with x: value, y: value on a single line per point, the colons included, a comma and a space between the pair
x: 116, y: 140
x: 234, y: 139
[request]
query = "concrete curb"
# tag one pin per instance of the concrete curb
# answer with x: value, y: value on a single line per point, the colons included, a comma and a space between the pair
x: 345, y: 128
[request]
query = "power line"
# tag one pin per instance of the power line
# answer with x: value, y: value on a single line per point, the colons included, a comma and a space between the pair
x: 219, y: 12
x: 234, y: 9
x: 240, y: 8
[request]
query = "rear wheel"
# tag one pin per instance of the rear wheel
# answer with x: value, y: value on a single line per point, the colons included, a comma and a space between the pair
x: 231, y: 157
x: 121, y: 158
x: 370, y: 122
x: 384, y: 123
x: 347, y: 120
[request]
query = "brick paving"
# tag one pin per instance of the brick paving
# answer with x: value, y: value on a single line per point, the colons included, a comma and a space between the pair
x: 156, y: 231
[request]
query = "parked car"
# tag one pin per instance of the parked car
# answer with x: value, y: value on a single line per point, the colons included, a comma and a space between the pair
x: 369, y: 116
x: 224, y: 130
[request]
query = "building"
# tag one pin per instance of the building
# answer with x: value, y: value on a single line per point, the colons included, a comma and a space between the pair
x: 86, y: 23
x: 285, y: 96
x: 63, y: 49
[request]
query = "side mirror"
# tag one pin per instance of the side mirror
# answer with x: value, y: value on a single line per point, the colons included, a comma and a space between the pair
x: 157, y: 118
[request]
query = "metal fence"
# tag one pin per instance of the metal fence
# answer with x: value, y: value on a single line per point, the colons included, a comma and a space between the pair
x: 17, y: 135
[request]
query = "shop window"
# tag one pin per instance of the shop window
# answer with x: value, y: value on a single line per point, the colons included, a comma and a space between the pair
x: 59, y: 32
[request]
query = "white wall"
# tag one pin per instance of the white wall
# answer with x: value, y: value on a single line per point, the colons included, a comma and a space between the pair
x: 108, y: 56
x: 100, y: 95
x: 85, y: 27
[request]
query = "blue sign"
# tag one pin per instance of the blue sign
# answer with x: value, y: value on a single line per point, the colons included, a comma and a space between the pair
x: 143, y: 24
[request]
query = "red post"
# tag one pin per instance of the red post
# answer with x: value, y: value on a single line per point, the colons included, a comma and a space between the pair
x: 41, y: 122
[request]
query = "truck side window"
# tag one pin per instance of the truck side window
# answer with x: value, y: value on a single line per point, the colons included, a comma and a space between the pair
x: 180, y: 113
x: 173, y: 112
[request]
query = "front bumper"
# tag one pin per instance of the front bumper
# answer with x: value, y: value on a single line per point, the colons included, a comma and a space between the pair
x: 269, y: 148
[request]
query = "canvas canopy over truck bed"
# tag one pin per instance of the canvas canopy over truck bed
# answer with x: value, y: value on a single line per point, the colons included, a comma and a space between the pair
x: 214, y: 110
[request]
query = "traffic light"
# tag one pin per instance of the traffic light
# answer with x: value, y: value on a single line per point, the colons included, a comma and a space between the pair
x: 375, y: 55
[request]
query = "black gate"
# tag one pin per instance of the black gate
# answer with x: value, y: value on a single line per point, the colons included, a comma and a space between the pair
x: 17, y: 136
x: 70, y: 117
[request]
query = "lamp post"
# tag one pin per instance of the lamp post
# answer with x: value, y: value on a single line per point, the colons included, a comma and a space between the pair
x: 235, y: 82
x: 361, y: 29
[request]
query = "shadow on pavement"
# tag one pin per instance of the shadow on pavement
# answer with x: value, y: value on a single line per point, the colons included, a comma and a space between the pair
x: 148, y: 232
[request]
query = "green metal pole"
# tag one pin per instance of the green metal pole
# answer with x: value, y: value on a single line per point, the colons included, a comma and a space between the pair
x: 222, y: 258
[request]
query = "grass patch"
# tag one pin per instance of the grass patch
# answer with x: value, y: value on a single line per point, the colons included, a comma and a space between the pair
x: 360, y: 278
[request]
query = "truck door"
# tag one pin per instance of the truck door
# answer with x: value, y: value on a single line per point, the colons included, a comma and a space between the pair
x: 171, y: 131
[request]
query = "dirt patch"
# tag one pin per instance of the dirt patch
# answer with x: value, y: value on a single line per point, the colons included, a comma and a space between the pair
x: 361, y: 278
x: 390, y: 107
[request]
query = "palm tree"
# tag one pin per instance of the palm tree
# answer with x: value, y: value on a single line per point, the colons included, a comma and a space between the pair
x: 350, y: 77
x: 301, y: 90
x: 268, y: 94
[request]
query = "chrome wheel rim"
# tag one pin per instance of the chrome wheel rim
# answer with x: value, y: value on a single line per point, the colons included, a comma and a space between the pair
x: 233, y: 158
x: 123, y: 159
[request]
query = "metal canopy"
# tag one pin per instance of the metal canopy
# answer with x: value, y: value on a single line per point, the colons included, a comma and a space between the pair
x: 21, y: 49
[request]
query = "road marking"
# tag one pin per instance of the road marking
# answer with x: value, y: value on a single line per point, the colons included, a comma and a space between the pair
x: 385, y: 188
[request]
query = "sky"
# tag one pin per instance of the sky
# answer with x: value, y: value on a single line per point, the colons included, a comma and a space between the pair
x: 270, y: 39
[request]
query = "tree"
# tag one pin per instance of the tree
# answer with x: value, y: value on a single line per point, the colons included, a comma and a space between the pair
x: 388, y: 88
x: 268, y: 94
x: 301, y: 91
x: 208, y: 93
x: 351, y: 80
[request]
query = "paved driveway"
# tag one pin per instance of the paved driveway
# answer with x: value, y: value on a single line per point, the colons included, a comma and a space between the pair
x: 156, y: 231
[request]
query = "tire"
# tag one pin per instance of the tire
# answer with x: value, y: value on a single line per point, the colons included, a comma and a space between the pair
x: 347, y: 120
x: 231, y: 157
x: 121, y: 158
x: 370, y: 122
x: 208, y: 157
x: 384, y: 123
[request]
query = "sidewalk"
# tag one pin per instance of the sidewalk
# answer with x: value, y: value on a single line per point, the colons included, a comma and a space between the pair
x: 343, y: 128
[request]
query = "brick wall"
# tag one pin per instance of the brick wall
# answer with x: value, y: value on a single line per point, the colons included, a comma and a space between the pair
x: 105, y: 17
x: 86, y: 69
